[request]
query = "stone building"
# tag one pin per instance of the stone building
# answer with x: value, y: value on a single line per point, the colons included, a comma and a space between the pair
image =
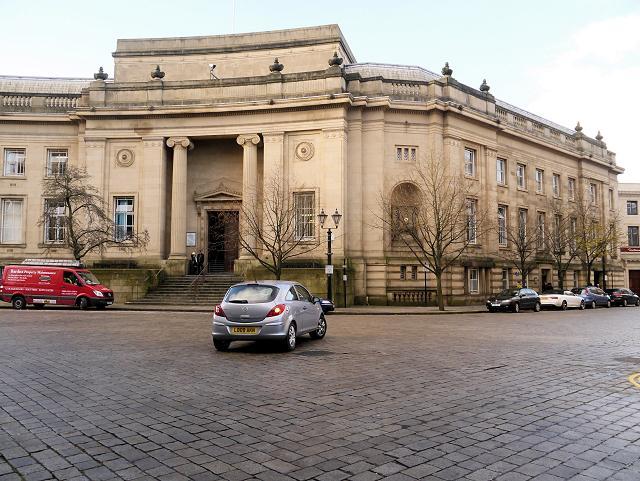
x: 629, y: 196
x: 189, y: 125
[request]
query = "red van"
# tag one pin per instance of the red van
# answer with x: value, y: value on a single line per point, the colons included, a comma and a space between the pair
x: 54, y: 282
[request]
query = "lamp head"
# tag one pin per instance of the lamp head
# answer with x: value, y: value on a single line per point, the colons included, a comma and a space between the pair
x: 336, y: 216
x: 322, y: 217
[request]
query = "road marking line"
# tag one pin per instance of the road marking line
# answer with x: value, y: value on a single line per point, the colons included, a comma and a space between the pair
x: 635, y: 379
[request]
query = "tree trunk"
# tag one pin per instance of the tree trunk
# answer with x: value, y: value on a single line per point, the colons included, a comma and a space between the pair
x: 439, y: 292
x: 589, y: 273
x: 561, y: 280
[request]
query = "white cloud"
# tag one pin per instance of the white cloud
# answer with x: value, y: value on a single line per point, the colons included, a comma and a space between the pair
x: 594, y: 78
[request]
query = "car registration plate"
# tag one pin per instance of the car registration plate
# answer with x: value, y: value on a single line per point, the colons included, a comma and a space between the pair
x: 496, y: 304
x: 244, y: 330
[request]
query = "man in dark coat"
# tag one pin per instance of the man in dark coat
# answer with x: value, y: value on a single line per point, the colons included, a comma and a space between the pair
x: 200, y: 261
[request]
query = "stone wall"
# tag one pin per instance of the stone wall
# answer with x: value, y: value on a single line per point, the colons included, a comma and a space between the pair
x: 129, y: 284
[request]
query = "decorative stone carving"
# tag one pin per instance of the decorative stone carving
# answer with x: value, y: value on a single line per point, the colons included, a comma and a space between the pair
x: 578, y: 127
x: 305, y: 150
x: 157, y: 74
x: 446, y: 70
x: 246, y: 139
x: 484, y: 87
x: 276, y: 66
x: 599, y: 137
x: 124, y: 158
x: 180, y: 142
x: 335, y: 61
x: 101, y: 75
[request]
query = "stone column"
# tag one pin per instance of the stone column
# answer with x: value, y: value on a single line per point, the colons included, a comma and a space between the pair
x: 179, y: 197
x: 249, y: 143
x: 153, y: 199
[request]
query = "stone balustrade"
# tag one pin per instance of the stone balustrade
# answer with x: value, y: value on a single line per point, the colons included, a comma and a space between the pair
x: 38, y: 103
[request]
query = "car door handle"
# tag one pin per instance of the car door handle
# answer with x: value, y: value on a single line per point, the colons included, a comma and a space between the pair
x: 304, y: 308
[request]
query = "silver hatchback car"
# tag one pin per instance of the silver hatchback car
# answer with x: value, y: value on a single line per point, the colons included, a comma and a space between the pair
x: 267, y: 310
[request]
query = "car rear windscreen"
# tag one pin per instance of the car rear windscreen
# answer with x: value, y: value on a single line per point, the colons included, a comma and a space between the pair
x: 252, y: 294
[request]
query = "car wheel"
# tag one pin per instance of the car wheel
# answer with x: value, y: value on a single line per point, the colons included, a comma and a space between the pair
x: 516, y: 307
x: 582, y: 305
x: 321, y: 330
x: 624, y: 303
x: 537, y: 307
x: 593, y: 304
x: 637, y: 302
x: 290, y: 340
x: 564, y: 305
x: 83, y: 303
x: 221, y: 345
x: 19, y: 303
x: 608, y: 304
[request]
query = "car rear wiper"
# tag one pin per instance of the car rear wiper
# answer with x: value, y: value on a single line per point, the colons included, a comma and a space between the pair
x: 239, y: 301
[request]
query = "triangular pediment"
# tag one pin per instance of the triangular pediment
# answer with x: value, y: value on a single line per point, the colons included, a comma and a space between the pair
x: 224, y: 190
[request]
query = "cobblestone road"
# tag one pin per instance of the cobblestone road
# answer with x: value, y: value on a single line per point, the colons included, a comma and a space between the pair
x: 132, y: 395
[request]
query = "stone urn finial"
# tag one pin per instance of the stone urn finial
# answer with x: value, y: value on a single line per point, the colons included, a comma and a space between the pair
x: 578, y: 127
x: 101, y: 75
x: 276, y: 66
x: 484, y: 87
x: 446, y: 70
x: 335, y: 61
x: 599, y: 137
x: 157, y: 74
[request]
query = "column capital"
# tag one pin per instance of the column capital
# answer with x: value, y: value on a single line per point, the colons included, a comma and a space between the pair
x: 248, y: 139
x: 183, y: 142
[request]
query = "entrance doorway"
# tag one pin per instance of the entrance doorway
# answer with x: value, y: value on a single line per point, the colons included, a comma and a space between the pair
x: 545, y: 278
x: 634, y: 280
x: 222, y: 240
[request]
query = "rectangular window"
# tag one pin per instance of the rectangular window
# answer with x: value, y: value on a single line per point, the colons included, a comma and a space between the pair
x: 470, y: 162
x: 14, y: 160
x: 632, y: 207
x: 505, y: 278
x: 557, y: 231
x: 304, y: 208
x: 406, y: 153
x: 123, y: 218
x: 501, y: 171
x: 521, y: 178
x: 593, y: 194
x: 471, y: 221
x: 539, y: 181
x: 474, y: 281
x: 576, y: 275
x: 573, y: 229
x: 11, y: 221
x: 54, y: 221
x: 414, y: 273
x: 56, y: 162
x: 555, y: 184
x: 572, y: 188
x: 522, y: 224
x: 611, y: 199
x: 502, y: 225
x: 403, y: 272
x: 632, y: 232
x: 541, y: 230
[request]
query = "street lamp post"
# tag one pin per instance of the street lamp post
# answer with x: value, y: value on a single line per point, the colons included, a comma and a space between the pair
x: 322, y: 217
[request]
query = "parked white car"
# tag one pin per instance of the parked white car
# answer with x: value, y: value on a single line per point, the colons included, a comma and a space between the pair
x: 559, y: 299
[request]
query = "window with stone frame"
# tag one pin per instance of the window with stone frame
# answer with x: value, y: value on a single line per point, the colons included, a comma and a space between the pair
x: 521, y: 176
x: 57, y: 162
x: 414, y: 273
x: 632, y: 207
x: 571, y: 188
x: 124, y: 218
x: 406, y: 153
x: 501, y: 171
x: 555, y: 185
x: 539, y: 181
x: 502, y: 225
x: 469, y: 162
x: 593, y: 194
x: 632, y: 236
x: 474, y: 280
x: 14, y: 162
x: 304, y: 214
x: 505, y: 279
x: 611, y: 199
x: 54, y: 222
x: 522, y: 223
x: 472, y: 227
x: 11, y: 221
x: 541, y: 230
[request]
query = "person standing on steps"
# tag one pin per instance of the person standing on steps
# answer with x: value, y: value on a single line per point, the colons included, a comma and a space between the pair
x: 193, y: 264
x: 200, y: 258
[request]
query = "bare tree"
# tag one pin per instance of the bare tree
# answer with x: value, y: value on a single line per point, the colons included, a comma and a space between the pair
x: 435, y: 215
x: 275, y: 229
x: 75, y: 217
x: 561, y: 241
x: 522, y: 239
x: 593, y: 235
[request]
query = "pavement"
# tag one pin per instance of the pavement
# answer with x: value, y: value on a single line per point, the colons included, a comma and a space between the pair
x: 124, y: 395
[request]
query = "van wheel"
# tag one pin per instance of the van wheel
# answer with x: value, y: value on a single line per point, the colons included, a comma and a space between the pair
x: 19, y: 303
x: 83, y: 303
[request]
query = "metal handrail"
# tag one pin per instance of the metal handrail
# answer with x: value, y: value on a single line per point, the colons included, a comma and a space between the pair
x: 200, y: 279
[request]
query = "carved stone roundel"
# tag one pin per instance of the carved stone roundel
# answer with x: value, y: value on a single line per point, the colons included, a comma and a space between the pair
x: 304, y: 150
x: 124, y: 158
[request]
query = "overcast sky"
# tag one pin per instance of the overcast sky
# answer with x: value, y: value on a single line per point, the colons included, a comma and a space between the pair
x: 564, y: 60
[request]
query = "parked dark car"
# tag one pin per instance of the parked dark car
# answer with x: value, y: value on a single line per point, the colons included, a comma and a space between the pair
x: 623, y: 297
x: 514, y: 300
x: 327, y: 305
x: 593, y: 296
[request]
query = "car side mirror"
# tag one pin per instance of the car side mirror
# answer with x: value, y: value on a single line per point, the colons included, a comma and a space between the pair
x: 316, y: 300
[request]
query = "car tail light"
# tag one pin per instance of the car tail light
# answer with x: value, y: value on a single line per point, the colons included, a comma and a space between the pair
x: 617, y: 294
x: 276, y: 310
x: 218, y: 311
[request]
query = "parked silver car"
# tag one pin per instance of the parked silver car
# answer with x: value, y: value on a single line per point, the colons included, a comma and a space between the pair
x: 267, y: 310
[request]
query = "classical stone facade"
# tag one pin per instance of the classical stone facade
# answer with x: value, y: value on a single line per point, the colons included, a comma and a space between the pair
x: 629, y: 198
x: 189, y: 126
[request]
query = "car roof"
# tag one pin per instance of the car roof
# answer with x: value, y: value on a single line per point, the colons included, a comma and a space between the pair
x: 276, y: 283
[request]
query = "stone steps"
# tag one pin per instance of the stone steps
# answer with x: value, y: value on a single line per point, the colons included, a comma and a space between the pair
x: 180, y: 290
